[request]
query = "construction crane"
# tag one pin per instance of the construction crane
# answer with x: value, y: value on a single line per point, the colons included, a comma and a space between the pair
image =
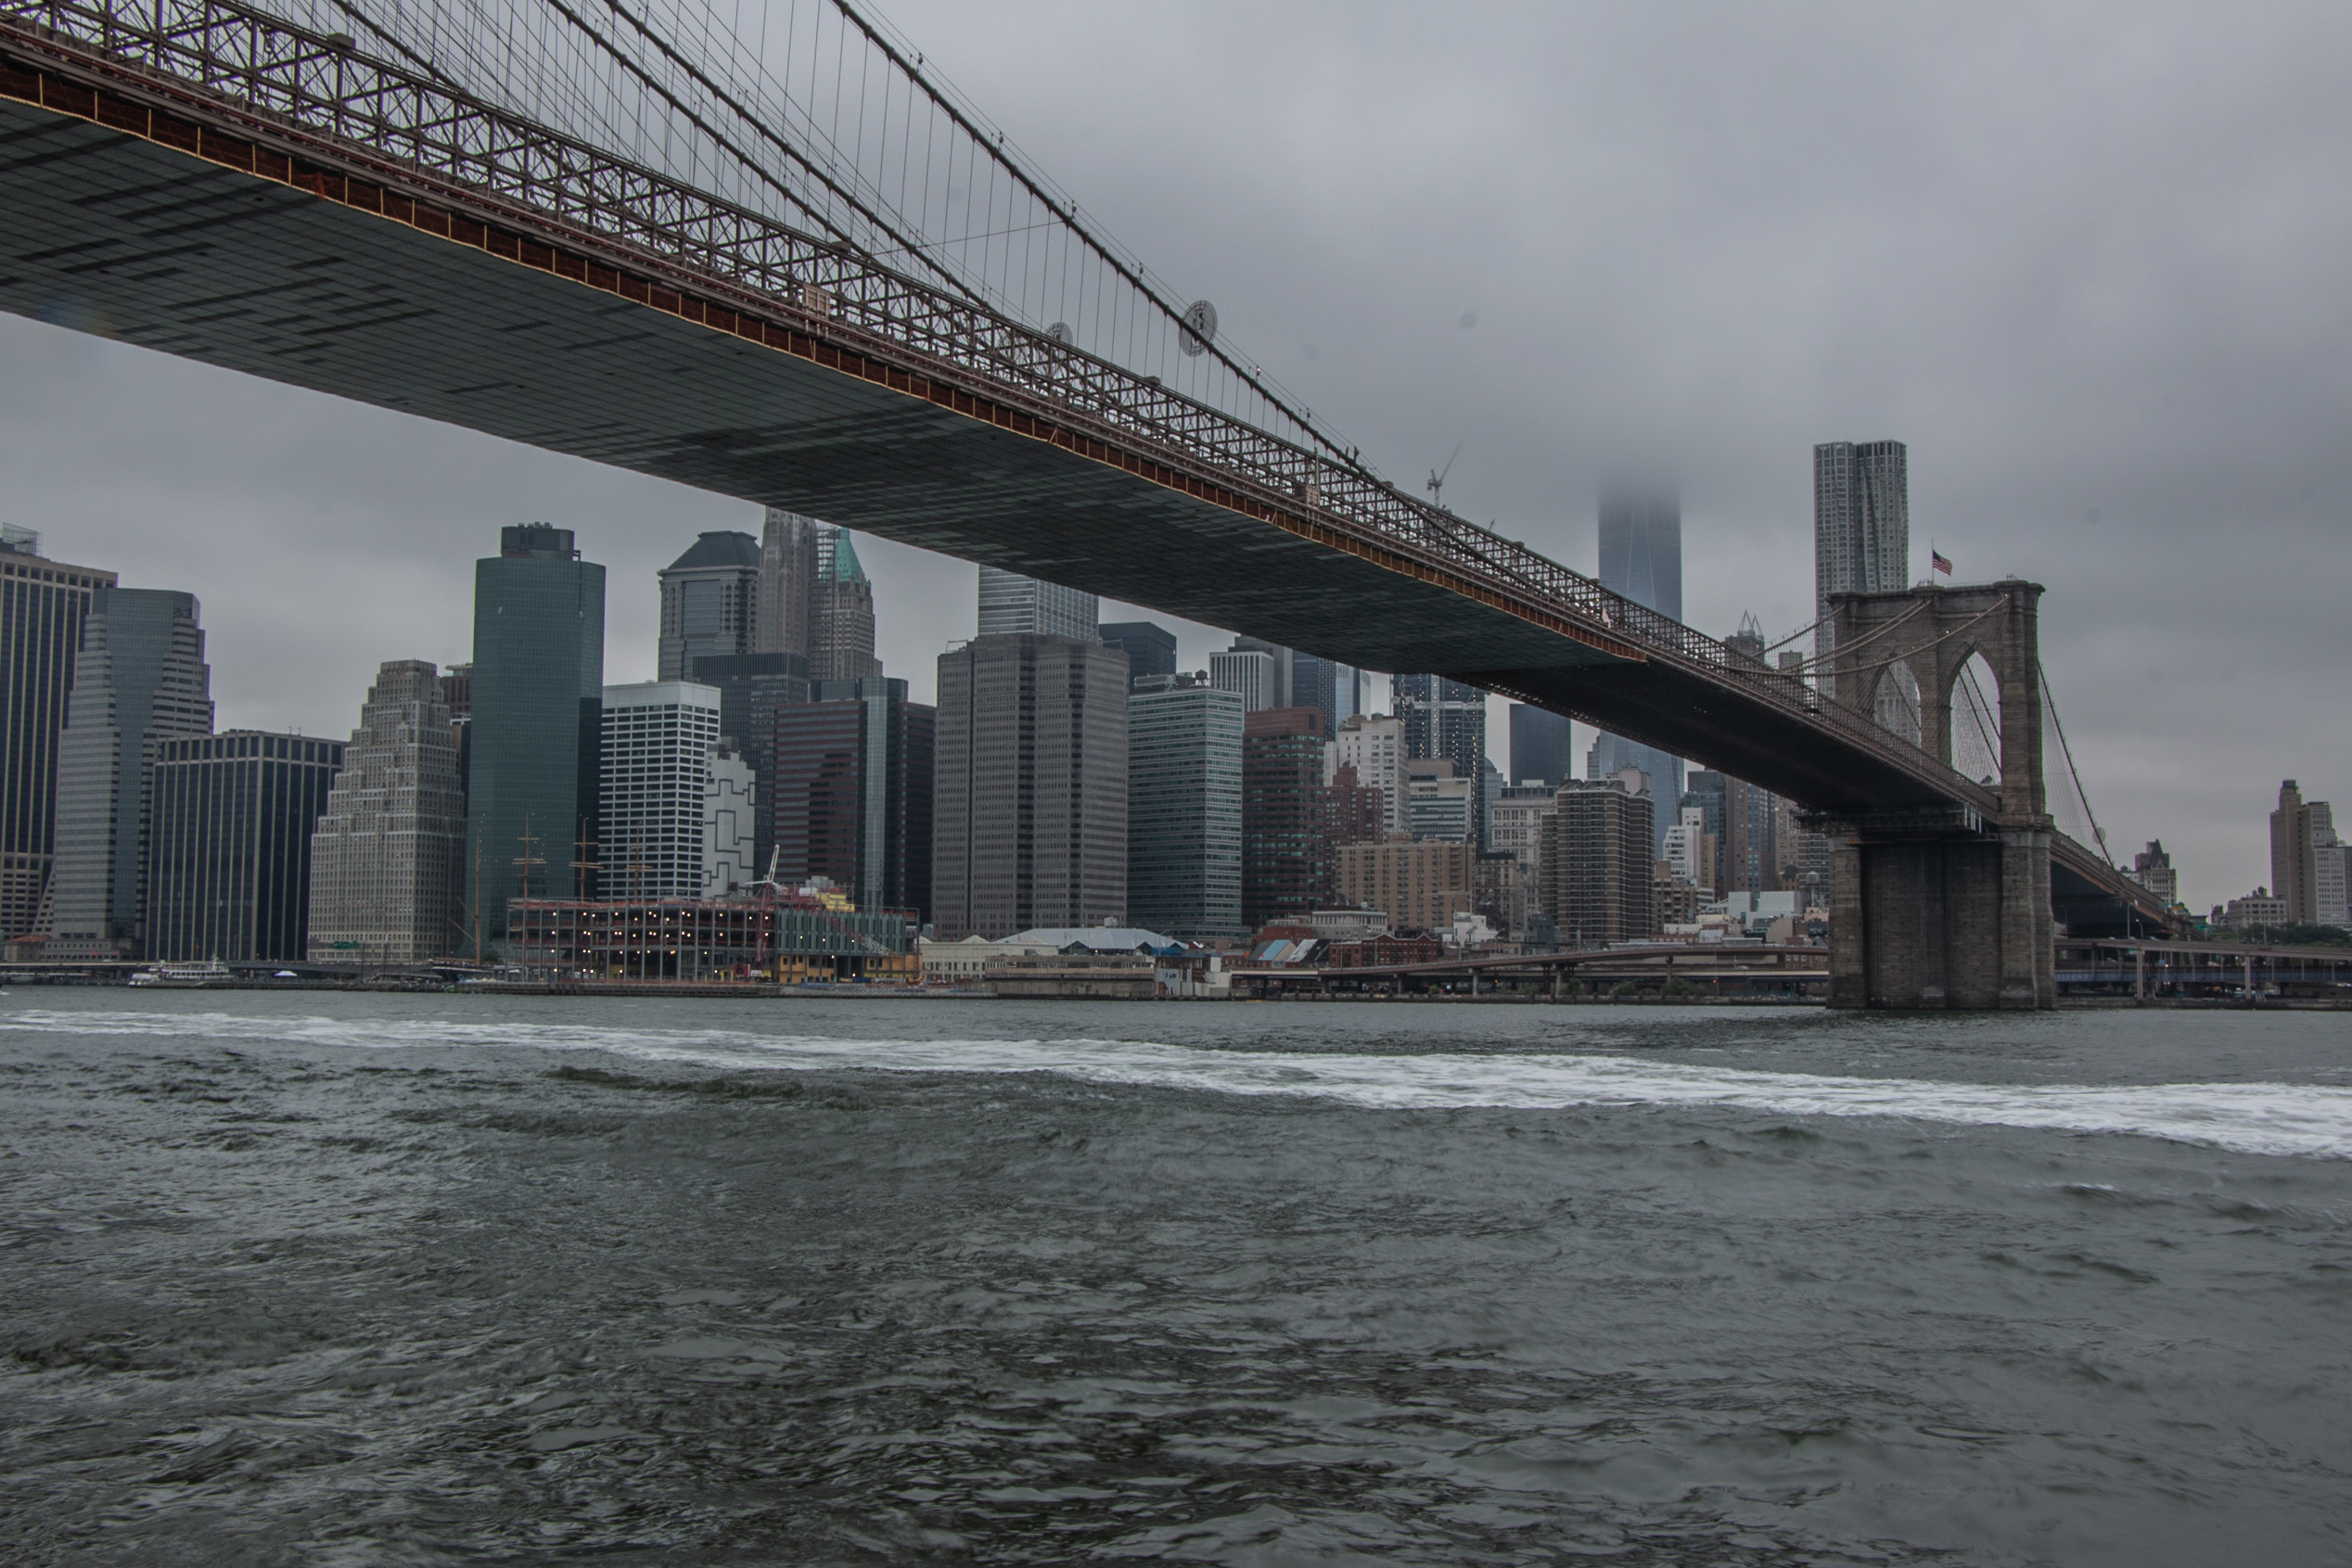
x: 1437, y: 477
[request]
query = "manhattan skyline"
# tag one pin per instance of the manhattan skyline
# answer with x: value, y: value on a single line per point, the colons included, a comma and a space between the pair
x: 2093, y: 401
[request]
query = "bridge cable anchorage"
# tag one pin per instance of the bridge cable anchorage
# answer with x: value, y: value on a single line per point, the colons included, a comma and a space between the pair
x: 2050, y: 701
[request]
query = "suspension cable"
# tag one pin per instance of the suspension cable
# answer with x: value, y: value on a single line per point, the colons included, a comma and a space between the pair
x: 1066, y: 210
x: 2050, y: 698
x: 1945, y: 637
x: 849, y: 198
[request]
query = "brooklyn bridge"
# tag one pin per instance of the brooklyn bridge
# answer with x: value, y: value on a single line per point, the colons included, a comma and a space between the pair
x: 809, y: 274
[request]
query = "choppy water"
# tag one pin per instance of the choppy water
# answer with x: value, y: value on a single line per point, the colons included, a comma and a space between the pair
x: 307, y: 1279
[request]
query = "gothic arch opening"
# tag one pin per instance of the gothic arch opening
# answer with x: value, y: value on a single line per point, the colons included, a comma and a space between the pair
x: 1976, y: 720
x: 1894, y: 703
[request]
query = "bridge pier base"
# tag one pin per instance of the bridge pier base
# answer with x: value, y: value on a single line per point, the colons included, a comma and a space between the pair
x: 1926, y: 921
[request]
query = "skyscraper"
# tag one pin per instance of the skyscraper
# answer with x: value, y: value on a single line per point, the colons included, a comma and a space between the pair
x: 1861, y: 527
x: 1642, y: 546
x: 1374, y: 746
x: 1444, y: 718
x: 1540, y: 746
x: 855, y: 775
x: 140, y: 678
x: 458, y: 695
x: 787, y: 574
x: 752, y: 687
x: 730, y: 823
x: 41, y: 606
x: 1596, y: 864
x: 2330, y: 895
x: 1151, y: 650
x: 1641, y: 536
x: 1514, y: 824
x: 2152, y: 868
x: 1439, y: 803
x: 1710, y: 794
x: 1314, y: 682
x: 1184, y: 812
x: 537, y: 730
x: 2307, y: 869
x: 1014, y: 605
x: 1030, y: 828
x: 1250, y: 673
x: 657, y: 737
x: 815, y: 807
x: 710, y: 602
x: 1353, y: 812
x: 228, y: 860
x: 841, y: 613
x: 1286, y: 839
x: 387, y: 860
x: 1752, y: 850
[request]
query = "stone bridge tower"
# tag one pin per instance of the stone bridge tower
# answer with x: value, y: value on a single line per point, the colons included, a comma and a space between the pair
x: 1944, y: 907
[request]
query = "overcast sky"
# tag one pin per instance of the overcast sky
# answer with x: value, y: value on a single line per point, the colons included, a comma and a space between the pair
x: 2092, y: 262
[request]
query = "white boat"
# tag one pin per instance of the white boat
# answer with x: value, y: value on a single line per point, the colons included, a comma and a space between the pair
x: 183, y: 976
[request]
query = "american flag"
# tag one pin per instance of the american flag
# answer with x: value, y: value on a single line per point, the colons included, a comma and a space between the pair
x: 1938, y: 561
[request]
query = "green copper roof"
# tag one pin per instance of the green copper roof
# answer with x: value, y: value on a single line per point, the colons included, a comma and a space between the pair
x: 845, y: 558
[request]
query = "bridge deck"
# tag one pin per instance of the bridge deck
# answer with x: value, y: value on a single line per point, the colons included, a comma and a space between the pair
x: 129, y: 206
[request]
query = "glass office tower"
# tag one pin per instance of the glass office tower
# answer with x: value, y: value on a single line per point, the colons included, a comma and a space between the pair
x: 539, y: 679
x: 1642, y: 558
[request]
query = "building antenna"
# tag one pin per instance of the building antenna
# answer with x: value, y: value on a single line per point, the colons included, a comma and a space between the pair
x: 1437, y: 477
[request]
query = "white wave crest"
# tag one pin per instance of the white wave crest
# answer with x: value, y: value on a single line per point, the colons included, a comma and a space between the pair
x: 2256, y: 1118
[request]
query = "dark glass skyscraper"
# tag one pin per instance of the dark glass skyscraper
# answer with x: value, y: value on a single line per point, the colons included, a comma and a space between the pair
x: 752, y: 687
x: 140, y: 678
x: 1184, y: 812
x: 1151, y: 650
x: 710, y: 602
x: 539, y: 668
x: 228, y: 859
x: 852, y: 799
x: 42, y: 606
x: 1314, y: 682
x: 1443, y: 717
x: 1642, y: 546
x: 1642, y: 558
x: 1540, y: 746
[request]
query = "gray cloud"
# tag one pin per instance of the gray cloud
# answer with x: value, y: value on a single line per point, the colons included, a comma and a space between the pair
x: 2086, y: 259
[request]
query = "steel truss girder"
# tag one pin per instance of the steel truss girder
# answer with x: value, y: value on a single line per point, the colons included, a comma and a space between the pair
x: 324, y: 101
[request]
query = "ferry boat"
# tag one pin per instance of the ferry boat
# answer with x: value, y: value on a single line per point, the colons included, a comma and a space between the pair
x: 183, y: 976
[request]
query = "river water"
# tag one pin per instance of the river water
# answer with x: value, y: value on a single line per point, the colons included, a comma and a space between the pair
x: 338, y: 1280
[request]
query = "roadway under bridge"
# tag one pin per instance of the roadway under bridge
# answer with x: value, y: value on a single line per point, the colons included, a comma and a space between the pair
x: 200, y: 179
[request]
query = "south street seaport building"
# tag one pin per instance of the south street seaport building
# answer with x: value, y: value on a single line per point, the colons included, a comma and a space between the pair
x: 769, y: 934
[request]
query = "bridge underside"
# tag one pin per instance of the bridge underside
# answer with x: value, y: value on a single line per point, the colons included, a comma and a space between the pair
x: 110, y: 233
